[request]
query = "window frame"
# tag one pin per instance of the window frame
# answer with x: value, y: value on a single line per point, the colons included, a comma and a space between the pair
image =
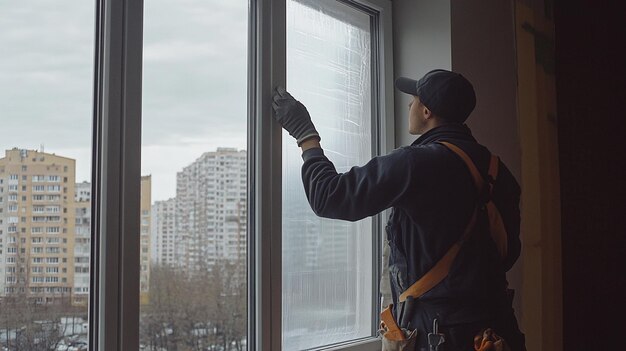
x: 116, y: 159
x: 116, y: 173
x: 268, y: 27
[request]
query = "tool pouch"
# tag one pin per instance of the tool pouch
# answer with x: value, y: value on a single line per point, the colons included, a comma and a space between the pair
x: 395, y: 338
x: 408, y: 344
x: 488, y: 340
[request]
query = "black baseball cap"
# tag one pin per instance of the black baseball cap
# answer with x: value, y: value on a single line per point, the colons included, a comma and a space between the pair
x: 448, y: 94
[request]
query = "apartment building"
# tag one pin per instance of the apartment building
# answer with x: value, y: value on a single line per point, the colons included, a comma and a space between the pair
x: 211, y: 209
x: 37, y: 225
x: 145, y: 208
x: 163, y: 240
x: 82, y: 243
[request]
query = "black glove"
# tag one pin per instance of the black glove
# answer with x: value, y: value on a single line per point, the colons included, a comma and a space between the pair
x: 293, y: 116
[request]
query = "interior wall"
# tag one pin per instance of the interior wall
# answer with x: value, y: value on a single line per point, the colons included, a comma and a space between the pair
x: 591, y: 91
x: 483, y: 50
x: 421, y: 38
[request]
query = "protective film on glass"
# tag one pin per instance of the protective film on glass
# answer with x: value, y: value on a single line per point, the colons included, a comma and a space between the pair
x: 327, y: 264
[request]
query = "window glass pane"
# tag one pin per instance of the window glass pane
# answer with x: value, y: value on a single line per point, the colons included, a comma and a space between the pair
x: 194, y: 162
x: 46, y: 87
x: 327, y: 264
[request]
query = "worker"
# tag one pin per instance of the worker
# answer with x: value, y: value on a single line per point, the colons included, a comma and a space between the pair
x: 433, y: 201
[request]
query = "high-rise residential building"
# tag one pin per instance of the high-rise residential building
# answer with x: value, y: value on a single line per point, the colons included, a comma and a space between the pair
x: 211, y: 209
x: 82, y: 243
x: 144, y: 226
x: 37, y: 220
x: 163, y: 240
x: 83, y: 191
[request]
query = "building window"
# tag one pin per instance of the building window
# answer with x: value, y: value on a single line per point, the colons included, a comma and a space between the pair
x: 54, y: 188
x: 53, y: 250
x: 52, y: 269
x: 53, y: 230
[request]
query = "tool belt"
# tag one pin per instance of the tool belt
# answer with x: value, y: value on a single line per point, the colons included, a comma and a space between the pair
x: 395, y: 338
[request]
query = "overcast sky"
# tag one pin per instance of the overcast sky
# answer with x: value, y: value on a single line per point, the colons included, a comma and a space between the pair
x: 194, y: 87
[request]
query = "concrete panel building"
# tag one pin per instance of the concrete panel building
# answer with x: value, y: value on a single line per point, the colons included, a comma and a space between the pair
x: 145, y: 208
x: 37, y: 225
x: 82, y: 243
x: 211, y: 209
x: 164, y: 243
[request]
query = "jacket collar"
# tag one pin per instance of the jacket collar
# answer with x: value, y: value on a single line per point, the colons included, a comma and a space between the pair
x: 450, y: 131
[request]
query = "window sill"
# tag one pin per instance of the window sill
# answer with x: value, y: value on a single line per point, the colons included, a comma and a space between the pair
x: 370, y: 344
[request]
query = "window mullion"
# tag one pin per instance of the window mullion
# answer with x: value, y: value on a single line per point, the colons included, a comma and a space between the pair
x: 266, y: 270
x: 115, y: 315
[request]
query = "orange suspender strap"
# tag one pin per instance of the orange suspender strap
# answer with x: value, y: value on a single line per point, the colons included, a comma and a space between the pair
x: 493, y: 171
x: 478, y: 179
x: 441, y: 269
x: 496, y: 225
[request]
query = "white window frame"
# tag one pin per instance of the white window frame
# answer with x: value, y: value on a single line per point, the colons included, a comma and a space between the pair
x: 114, y: 298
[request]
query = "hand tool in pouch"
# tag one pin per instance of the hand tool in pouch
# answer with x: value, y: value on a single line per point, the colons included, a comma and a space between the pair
x: 435, y: 339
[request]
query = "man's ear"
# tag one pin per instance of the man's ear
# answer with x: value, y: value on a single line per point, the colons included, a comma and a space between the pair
x: 427, y: 113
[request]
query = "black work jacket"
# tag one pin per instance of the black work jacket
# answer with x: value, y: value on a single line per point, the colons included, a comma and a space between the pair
x: 432, y: 196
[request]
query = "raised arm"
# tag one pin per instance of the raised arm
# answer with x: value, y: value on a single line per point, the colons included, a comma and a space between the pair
x: 383, y: 182
x: 356, y: 194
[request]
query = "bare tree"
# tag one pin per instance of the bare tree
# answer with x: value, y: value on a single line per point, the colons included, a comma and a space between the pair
x: 196, y: 312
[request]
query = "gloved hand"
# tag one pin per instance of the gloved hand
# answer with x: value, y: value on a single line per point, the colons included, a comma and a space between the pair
x: 293, y: 116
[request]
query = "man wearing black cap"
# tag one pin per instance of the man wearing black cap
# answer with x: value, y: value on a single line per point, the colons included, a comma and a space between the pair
x: 434, y: 202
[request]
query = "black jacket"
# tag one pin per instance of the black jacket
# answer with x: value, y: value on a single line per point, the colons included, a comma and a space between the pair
x: 432, y: 197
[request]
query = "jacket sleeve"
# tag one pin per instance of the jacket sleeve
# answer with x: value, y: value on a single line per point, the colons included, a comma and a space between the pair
x: 362, y: 191
x: 507, y: 198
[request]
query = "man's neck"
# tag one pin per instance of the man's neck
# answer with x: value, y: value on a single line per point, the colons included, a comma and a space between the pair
x: 432, y: 124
